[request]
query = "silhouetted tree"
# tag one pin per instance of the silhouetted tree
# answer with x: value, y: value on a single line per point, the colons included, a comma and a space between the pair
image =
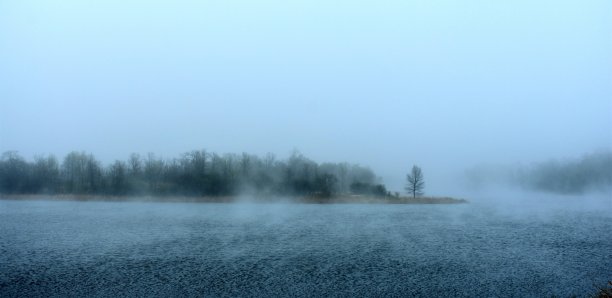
x: 325, y: 185
x: 94, y: 178
x: 45, y: 174
x: 380, y: 190
x: 13, y: 173
x: 360, y: 188
x: 153, y: 173
x: 415, y: 183
x: 135, y: 165
x: 73, y: 172
x: 118, y: 178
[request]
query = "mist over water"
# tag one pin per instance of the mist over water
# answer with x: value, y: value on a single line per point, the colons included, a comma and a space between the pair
x: 170, y: 249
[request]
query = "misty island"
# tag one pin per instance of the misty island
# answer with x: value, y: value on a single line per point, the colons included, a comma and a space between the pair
x: 201, y: 176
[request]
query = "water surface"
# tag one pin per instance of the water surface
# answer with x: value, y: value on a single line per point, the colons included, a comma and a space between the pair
x: 51, y: 248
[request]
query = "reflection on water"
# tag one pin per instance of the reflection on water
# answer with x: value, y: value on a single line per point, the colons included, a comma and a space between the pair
x: 176, y: 249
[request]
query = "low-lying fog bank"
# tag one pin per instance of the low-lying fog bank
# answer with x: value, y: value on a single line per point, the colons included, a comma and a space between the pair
x: 523, y: 203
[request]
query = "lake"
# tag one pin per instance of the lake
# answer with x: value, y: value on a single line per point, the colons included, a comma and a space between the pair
x: 76, y: 249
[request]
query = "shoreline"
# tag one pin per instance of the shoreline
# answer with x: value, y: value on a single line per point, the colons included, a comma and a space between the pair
x: 341, y: 199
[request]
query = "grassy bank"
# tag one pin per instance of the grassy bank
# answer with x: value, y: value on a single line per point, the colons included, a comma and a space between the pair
x: 342, y: 199
x: 349, y: 199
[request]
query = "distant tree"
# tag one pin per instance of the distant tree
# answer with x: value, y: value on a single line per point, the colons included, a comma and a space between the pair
x: 415, y: 183
x: 73, y: 172
x: 325, y: 185
x: 93, y: 172
x: 117, y: 174
x: 592, y: 172
x: 13, y: 173
x: 342, y: 175
x: 45, y: 174
x: 361, y: 188
x: 135, y: 165
x: 154, y: 173
x: 380, y: 190
x: 245, y: 165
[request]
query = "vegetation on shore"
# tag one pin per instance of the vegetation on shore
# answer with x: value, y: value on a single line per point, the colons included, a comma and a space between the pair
x: 194, y: 174
x: 337, y: 199
x: 591, y: 172
x: 388, y: 200
x: 199, y: 176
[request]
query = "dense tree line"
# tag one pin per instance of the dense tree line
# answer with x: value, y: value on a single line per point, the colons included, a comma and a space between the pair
x: 591, y: 172
x: 195, y: 173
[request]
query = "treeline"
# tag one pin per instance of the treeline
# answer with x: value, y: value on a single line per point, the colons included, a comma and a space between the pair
x: 592, y: 172
x: 196, y: 173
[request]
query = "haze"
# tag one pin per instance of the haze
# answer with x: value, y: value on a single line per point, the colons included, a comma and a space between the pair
x: 386, y: 84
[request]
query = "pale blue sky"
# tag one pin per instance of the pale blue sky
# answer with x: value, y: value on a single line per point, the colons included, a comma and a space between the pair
x: 443, y: 84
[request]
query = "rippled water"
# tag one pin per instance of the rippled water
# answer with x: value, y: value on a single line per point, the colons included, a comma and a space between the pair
x: 179, y: 249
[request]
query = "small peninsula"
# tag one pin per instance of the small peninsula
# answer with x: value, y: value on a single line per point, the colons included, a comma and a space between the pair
x: 202, y: 176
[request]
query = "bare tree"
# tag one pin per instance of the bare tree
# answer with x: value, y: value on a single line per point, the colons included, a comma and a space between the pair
x: 117, y: 173
x: 13, y: 173
x: 135, y: 165
x: 415, y: 183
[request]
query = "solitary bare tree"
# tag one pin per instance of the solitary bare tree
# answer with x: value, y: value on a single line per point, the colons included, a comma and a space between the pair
x: 415, y: 183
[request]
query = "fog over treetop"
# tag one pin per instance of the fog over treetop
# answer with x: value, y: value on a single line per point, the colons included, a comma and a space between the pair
x: 389, y: 84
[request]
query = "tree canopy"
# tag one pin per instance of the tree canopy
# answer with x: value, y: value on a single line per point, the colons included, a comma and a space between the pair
x: 194, y: 173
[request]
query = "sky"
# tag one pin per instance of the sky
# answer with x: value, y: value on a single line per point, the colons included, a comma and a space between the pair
x: 387, y: 84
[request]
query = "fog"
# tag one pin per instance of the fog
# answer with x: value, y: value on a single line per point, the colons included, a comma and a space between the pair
x: 444, y: 85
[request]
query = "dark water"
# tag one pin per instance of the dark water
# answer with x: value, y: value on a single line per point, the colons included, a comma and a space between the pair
x: 172, y: 249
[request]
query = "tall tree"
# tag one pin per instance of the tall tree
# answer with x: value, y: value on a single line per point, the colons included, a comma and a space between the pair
x: 73, y: 172
x: 154, y: 171
x: 415, y: 183
x: 45, y: 174
x: 94, y: 175
x: 13, y: 173
x: 117, y: 175
x: 135, y: 165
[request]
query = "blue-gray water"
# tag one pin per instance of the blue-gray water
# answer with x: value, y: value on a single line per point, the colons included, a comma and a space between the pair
x: 179, y: 249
